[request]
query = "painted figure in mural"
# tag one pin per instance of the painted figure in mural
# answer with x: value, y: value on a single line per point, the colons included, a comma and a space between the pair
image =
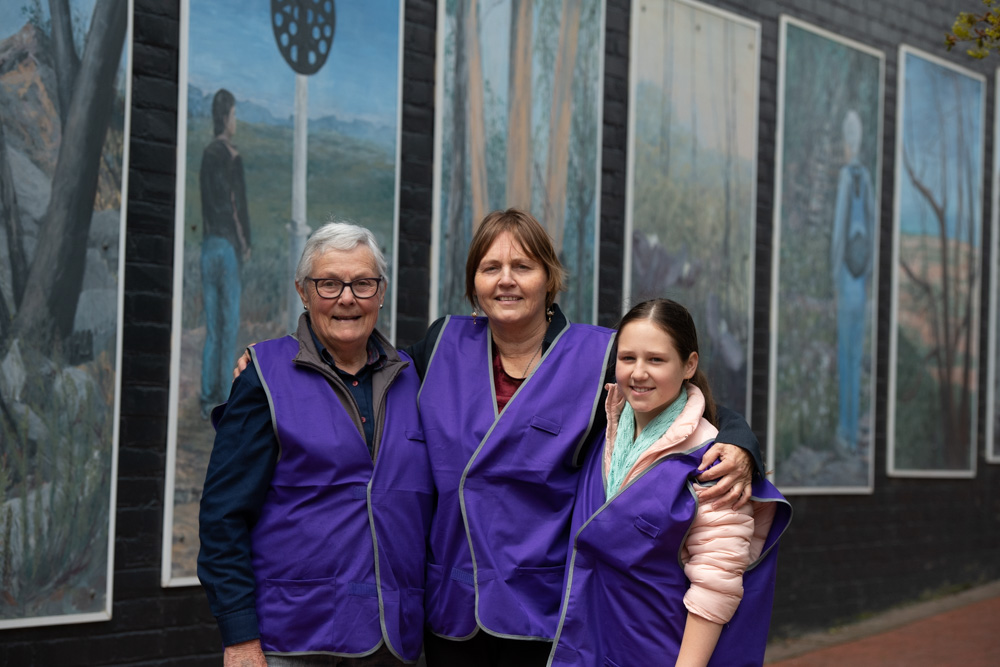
x: 318, y: 497
x: 510, y: 403
x: 224, y: 248
x: 707, y: 573
x: 851, y: 258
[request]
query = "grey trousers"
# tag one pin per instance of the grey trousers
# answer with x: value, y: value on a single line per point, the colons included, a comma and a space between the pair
x: 380, y: 658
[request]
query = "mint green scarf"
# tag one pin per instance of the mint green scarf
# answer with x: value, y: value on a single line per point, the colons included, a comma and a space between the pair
x: 629, y: 448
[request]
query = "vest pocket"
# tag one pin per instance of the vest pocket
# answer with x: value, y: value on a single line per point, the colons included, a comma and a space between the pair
x: 543, y: 424
x: 341, y: 616
x: 646, y: 527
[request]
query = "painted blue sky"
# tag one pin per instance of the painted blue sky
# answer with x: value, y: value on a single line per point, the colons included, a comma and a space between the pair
x: 232, y: 45
x: 942, y: 130
x: 12, y: 17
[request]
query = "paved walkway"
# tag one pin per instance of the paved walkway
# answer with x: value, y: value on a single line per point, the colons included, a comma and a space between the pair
x: 962, y: 629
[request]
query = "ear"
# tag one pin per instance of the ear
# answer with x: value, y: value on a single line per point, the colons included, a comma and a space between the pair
x: 302, y: 295
x: 691, y: 366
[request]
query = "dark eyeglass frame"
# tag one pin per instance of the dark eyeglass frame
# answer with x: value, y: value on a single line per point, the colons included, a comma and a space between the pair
x: 345, y: 284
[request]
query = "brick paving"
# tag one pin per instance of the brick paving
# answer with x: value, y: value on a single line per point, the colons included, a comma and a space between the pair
x: 958, y: 630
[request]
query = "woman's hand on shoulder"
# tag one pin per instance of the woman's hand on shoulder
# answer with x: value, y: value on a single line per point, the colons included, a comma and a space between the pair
x: 733, y: 468
x: 241, y: 363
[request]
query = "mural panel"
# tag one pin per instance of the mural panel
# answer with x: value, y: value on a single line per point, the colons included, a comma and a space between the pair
x: 934, y: 342
x: 276, y: 139
x: 64, y: 121
x: 825, y: 272
x: 691, y: 193
x: 518, y: 124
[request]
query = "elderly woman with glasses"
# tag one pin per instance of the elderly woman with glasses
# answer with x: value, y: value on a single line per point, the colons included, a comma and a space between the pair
x: 318, y: 496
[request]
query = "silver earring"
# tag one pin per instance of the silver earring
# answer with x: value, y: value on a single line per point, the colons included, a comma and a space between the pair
x: 475, y: 314
x: 381, y: 305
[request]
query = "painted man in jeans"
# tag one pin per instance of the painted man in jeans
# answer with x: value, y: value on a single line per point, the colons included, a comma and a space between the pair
x: 224, y: 248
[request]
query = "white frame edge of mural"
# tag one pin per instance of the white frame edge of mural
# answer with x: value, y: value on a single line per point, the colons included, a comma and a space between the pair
x: 435, y: 272
x: 599, y: 161
x: 633, y: 72
x: 890, y: 470
x: 772, y: 316
x: 397, y: 172
x: 129, y: 49
x: 784, y: 21
x: 106, y: 613
x: 992, y: 448
x: 630, y: 173
x: 166, y: 565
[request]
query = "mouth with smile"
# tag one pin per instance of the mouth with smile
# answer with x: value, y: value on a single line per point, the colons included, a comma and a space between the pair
x: 345, y: 318
x: 641, y: 390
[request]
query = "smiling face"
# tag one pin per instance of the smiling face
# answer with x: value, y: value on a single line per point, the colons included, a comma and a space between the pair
x: 649, y: 369
x: 342, y: 324
x: 511, y: 285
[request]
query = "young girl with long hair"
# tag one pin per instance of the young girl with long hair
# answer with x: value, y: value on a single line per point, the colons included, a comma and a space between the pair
x: 655, y: 575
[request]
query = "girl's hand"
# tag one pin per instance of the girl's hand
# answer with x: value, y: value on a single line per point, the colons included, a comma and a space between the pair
x: 616, y: 399
x: 734, y: 472
x: 241, y: 364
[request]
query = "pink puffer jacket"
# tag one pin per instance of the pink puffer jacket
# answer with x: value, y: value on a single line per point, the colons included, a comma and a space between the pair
x: 721, y: 543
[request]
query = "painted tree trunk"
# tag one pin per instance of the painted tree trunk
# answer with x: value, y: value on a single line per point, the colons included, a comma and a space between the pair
x: 53, y: 287
x: 560, y: 119
x: 519, y: 139
x: 476, y: 122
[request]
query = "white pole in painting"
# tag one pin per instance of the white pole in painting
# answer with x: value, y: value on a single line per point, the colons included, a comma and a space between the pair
x: 303, y: 30
x: 298, y: 228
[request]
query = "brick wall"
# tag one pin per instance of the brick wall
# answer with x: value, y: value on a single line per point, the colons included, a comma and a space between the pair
x: 843, y: 556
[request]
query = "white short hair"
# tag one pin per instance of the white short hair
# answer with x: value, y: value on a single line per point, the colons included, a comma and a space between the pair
x: 339, y: 235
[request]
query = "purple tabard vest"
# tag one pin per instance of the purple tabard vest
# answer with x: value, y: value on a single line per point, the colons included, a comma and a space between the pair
x: 505, y: 484
x: 339, y: 549
x: 625, y: 588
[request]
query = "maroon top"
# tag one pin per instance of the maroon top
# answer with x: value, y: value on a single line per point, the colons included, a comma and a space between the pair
x: 504, y: 384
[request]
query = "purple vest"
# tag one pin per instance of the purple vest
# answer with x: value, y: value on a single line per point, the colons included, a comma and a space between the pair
x: 339, y: 549
x: 505, y: 484
x: 624, y: 601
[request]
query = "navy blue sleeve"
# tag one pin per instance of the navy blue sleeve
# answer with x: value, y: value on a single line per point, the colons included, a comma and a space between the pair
x: 420, y: 352
x: 734, y: 430
x: 239, y: 474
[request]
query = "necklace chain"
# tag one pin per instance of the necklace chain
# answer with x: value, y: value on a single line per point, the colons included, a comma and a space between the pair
x: 524, y: 375
x: 528, y: 367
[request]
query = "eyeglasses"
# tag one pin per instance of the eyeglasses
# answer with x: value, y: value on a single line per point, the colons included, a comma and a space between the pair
x: 331, y: 288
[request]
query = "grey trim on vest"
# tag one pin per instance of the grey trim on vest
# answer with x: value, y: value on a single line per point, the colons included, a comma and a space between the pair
x: 378, y: 572
x: 306, y: 654
x: 791, y: 511
x: 308, y: 356
x: 572, y: 561
x: 690, y: 487
x: 482, y: 443
x: 270, y: 401
x: 430, y: 360
x: 753, y: 498
x: 593, y: 408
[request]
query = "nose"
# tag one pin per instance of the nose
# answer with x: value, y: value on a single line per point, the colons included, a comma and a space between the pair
x: 506, y: 276
x: 347, y: 296
x: 639, y: 370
